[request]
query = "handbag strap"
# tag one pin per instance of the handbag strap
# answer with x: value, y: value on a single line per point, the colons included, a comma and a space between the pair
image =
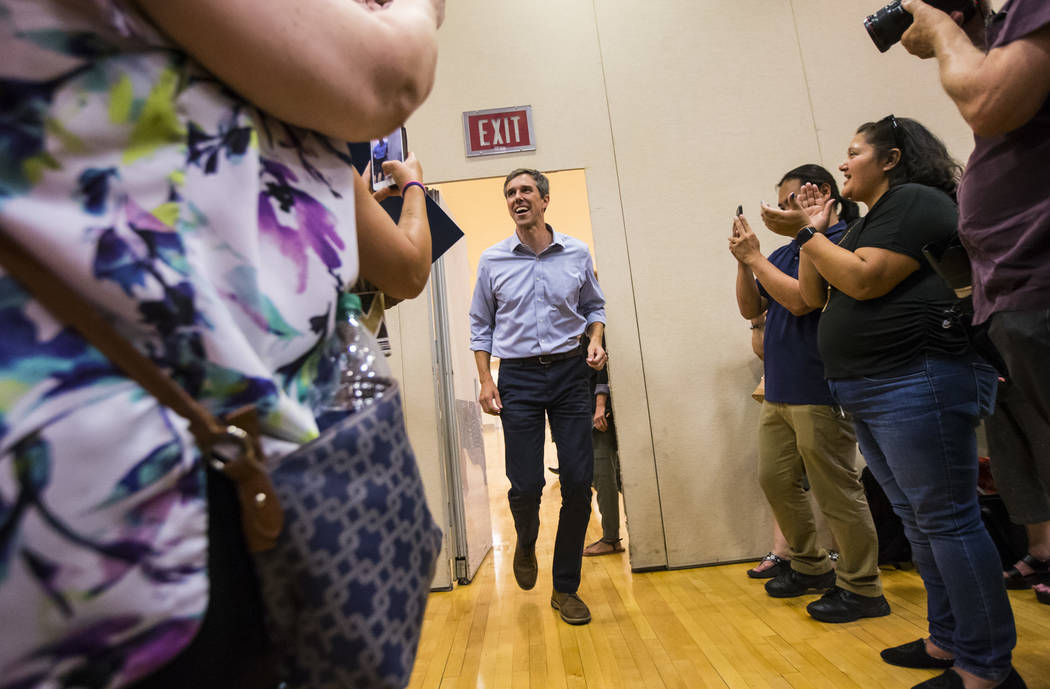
x: 71, y: 309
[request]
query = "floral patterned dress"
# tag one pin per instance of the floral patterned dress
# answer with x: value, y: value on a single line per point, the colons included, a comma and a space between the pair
x: 213, y: 236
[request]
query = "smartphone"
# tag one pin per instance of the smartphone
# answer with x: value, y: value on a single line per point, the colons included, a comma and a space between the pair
x: 740, y: 210
x: 394, y: 146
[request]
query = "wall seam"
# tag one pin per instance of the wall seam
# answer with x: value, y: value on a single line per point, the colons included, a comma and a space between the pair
x: 630, y: 277
x: 805, y: 80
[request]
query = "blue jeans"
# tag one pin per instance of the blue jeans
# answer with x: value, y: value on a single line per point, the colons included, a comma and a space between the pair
x: 915, y: 427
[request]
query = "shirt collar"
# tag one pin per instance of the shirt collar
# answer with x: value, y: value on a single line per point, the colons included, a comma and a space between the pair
x: 557, y: 239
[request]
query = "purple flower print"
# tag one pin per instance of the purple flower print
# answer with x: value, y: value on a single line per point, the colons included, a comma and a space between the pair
x: 315, y: 225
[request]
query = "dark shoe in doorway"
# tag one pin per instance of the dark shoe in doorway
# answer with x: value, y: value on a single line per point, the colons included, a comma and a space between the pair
x: 572, y: 609
x: 840, y: 605
x: 951, y: 680
x: 790, y: 584
x: 525, y: 567
x: 554, y: 470
x: 913, y: 654
x: 769, y: 566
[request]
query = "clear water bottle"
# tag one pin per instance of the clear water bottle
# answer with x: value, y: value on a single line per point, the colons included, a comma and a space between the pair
x: 360, y: 370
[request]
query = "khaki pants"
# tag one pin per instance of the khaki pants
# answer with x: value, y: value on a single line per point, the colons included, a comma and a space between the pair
x: 797, y: 439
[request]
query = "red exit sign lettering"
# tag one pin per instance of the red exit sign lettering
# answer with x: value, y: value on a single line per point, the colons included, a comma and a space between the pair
x: 503, y: 130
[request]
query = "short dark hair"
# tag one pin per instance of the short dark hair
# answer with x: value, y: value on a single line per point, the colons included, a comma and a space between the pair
x: 924, y: 157
x: 543, y: 184
x: 819, y: 175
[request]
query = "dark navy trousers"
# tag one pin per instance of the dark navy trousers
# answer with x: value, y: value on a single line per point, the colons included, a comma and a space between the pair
x: 561, y: 391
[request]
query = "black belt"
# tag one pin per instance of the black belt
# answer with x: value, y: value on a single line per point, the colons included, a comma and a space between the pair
x: 545, y: 359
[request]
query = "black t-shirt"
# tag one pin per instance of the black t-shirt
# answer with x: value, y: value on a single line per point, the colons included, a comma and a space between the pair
x: 860, y: 338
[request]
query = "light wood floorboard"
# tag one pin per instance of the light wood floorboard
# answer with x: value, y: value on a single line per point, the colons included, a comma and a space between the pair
x: 709, y: 627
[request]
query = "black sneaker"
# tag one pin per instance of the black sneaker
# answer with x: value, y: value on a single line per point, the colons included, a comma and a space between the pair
x: 790, y: 584
x: 840, y: 605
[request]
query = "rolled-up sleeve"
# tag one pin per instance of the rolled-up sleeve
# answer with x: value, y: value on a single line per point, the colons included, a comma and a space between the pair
x: 482, y: 311
x: 592, y: 300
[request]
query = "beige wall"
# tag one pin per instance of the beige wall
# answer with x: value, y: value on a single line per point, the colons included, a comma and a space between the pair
x: 677, y: 110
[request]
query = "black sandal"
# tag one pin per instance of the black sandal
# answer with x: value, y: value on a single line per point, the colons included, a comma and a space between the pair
x: 770, y: 572
x: 1015, y: 581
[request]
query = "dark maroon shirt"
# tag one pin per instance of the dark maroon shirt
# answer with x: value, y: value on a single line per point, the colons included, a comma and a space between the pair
x: 1004, y: 197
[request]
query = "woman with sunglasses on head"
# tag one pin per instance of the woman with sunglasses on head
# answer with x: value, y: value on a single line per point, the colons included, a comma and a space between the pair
x: 901, y: 363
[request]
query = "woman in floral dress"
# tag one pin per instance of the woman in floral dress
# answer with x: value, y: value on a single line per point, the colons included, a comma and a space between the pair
x: 182, y: 164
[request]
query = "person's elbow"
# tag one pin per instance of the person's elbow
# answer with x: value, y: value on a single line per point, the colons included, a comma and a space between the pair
x: 863, y: 290
x: 998, y: 111
x: 409, y: 283
x: 398, y: 87
x: 397, y: 93
x: 800, y: 307
x: 987, y: 117
x: 372, y: 101
x: 750, y: 312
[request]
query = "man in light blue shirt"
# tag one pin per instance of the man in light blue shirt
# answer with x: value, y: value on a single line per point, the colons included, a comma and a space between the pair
x: 538, y: 308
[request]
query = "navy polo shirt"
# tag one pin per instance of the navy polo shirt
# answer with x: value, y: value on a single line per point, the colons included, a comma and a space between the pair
x: 793, y: 367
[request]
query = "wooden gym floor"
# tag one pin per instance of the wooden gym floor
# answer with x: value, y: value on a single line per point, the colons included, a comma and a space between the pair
x: 704, y: 627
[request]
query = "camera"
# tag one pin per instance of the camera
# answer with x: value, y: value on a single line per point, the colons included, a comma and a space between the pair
x: 888, y: 24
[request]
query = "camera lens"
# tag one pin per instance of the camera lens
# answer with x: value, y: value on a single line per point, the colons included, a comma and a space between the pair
x: 888, y: 25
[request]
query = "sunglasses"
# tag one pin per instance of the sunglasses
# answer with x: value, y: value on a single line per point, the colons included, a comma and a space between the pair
x: 895, y: 127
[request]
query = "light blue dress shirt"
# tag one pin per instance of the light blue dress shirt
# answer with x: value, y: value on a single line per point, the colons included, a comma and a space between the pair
x: 526, y: 305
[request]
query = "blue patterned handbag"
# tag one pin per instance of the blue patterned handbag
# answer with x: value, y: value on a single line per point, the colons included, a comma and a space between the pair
x: 343, y: 542
x: 346, y: 584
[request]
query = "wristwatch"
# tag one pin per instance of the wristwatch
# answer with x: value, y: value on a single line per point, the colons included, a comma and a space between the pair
x: 805, y: 234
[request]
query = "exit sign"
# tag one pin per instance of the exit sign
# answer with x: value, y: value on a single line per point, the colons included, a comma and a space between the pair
x: 503, y: 130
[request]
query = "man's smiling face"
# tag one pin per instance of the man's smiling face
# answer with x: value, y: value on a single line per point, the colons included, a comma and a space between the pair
x: 524, y: 202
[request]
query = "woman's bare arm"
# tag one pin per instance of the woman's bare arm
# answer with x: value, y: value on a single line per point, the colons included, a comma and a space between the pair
x: 394, y: 257
x: 334, y: 66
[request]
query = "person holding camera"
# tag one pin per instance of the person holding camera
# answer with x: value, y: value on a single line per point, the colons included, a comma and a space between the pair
x: 902, y: 365
x: 998, y: 75
x: 999, y: 78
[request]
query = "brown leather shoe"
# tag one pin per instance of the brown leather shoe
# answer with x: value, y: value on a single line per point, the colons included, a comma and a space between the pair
x: 573, y: 610
x: 525, y: 567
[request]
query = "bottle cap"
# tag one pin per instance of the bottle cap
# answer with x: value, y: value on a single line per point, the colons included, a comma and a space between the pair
x: 349, y: 302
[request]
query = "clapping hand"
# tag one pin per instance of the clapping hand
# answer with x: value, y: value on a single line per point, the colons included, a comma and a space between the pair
x: 815, y: 205
x: 806, y: 207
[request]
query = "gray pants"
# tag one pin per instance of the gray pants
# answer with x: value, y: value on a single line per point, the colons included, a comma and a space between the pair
x: 1019, y: 447
x: 607, y: 483
x: 1023, y: 340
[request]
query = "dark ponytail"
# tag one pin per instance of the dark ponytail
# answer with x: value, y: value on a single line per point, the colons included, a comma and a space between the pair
x: 815, y: 174
x: 924, y: 157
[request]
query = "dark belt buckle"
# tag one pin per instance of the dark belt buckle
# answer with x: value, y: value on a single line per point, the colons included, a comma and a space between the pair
x: 545, y: 360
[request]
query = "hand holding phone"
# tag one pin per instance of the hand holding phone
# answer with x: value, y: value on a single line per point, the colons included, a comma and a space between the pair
x: 393, y: 147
